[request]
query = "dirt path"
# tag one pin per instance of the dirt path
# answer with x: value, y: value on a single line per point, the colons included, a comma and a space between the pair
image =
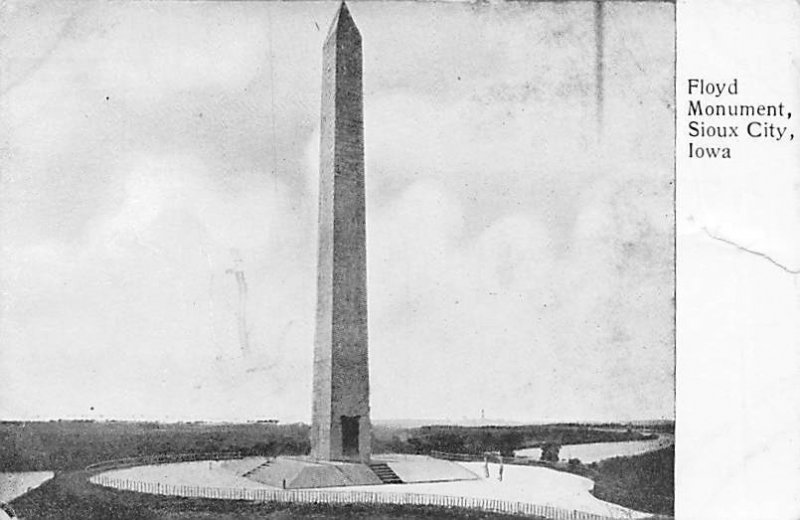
x: 13, y: 485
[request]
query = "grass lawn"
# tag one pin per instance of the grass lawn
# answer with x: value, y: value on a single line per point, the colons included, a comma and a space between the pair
x: 644, y: 482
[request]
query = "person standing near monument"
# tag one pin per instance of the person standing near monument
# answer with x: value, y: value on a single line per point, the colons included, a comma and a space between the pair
x: 500, y: 470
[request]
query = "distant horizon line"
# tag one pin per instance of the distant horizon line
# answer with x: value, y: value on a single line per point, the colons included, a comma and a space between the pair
x: 466, y: 421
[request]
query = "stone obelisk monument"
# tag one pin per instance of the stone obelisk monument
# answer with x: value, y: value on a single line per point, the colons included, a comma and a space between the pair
x: 340, y: 425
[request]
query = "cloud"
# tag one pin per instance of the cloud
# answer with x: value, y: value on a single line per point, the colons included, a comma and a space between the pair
x: 510, y: 250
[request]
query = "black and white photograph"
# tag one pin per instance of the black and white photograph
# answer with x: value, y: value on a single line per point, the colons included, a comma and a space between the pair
x: 323, y: 259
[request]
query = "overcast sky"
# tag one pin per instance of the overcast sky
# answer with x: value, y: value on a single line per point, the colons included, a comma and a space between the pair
x: 519, y: 261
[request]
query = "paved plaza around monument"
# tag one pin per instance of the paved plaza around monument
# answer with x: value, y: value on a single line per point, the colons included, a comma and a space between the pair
x: 526, y: 484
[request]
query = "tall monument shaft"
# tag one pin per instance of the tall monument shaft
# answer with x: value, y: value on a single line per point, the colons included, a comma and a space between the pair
x: 341, y: 427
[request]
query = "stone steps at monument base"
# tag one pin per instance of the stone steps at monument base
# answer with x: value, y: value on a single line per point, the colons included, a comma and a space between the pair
x: 385, y: 473
x: 260, y: 466
x: 241, y: 466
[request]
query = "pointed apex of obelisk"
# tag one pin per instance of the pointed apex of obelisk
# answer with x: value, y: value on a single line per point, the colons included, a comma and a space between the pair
x: 343, y: 22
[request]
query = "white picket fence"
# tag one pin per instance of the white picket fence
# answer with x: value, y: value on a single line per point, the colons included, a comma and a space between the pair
x: 321, y: 496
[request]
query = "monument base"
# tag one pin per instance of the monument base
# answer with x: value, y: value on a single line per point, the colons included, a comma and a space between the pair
x: 305, y: 472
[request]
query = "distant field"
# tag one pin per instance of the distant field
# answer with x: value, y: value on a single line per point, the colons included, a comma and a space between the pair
x: 504, y: 439
x: 71, y: 445
x: 595, y: 452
